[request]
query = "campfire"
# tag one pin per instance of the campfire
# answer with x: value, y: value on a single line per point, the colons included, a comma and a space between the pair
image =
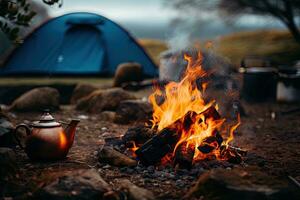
x: 188, y: 127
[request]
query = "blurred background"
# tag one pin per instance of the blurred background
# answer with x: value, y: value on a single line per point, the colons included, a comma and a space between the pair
x: 45, y: 41
x: 161, y: 24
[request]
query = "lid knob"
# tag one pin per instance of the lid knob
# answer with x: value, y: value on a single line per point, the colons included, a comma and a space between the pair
x: 46, y: 121
x: 47, y: 117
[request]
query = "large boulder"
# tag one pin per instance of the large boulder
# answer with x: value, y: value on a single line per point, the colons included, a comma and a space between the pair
x: 37, y: 99
x: 128, y: 72
x: 82, y: 90
x: 101, y: 100
x: 241, y: 184
x: 133, y: 110
x: 107, y: 116
x: 8, y: 165
x: 78, y: 184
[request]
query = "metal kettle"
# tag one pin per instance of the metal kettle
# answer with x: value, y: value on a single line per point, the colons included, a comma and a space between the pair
x: 46, y: 139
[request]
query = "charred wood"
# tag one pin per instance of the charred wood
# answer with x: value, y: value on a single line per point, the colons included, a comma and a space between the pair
x: 232, y: 154
x: 110, y: 156
x: 139, y: 135
x: 209, y: 144
x: 184, y: 156
x: 157, y: 147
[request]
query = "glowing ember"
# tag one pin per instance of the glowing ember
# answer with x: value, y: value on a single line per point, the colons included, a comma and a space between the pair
x: 133, y: 148
x: 181, y: 106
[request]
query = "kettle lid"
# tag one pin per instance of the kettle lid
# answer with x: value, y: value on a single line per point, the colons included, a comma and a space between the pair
x: 46, y: 121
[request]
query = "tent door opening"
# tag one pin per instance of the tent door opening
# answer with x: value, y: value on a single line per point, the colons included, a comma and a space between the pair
x: 82, y: 50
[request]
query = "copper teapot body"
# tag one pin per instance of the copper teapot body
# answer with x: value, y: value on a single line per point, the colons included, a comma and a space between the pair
x: 47, y: 139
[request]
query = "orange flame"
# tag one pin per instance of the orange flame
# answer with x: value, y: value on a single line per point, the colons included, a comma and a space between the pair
x: 232, y: 129
x: 133, y: 148
x: 176, y: 100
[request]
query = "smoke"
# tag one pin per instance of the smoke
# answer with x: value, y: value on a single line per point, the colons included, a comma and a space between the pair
x: 184, y: 39
x: 180, y: 36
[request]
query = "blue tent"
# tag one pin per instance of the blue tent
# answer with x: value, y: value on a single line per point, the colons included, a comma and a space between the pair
x: 77, y: 44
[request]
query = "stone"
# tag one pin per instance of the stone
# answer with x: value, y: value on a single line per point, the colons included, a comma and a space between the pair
x: 128, y: 72
x: 78, y: 184
x: 238, y: 183
x: 102, y: 100
x: 133, y: 110
x: 113, y: 157
x: 107, y: 116
x: 82, y: 90
x: 134, y: 192
x: 6, y: 132
x: 37, y: 99
x: 8, y: 165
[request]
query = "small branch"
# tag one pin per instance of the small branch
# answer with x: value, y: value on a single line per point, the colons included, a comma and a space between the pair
x: 294, y: 181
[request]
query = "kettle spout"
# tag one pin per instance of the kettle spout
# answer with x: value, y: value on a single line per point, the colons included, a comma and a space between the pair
x: 70, y: 131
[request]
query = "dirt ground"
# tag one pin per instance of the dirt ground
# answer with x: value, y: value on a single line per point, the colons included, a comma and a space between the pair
x: 269, y: 134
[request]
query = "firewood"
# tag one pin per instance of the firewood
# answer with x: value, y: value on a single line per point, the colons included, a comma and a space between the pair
x: 190, y: 117
x: 206, y: 148
x: 184, y: 156
x: 236, y: 149
x: 157, y: 147
x: 209, y: 144
x: 164, y: 142
x: 108, y: 155
x: 218, y: 137
x: 139, y: 135
x: 232, y: 154
x: 211, y: 112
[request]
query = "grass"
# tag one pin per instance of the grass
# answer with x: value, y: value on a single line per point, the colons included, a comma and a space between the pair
x: 279, y: 46
x: 51, y: 80
x: 153, y: 48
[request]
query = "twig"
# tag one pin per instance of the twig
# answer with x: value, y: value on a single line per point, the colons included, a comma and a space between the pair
x: 294, y: 181
x: 295, y: 110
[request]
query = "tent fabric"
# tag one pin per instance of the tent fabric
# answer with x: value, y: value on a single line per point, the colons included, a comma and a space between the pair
x: 77, y: 44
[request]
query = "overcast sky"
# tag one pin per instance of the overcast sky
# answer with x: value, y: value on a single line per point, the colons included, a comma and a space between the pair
x: 152, y: 18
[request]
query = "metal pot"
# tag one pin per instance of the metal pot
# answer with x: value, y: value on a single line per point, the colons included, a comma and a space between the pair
x: 259, y: 84
x: 288, y: 86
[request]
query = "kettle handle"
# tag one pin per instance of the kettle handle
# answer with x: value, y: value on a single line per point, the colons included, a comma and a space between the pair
x: 28, y: 132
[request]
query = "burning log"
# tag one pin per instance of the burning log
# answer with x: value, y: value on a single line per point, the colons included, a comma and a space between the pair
x: 211, y: 112
x: 139, y: 135
x: 157, y: 147
x: 182, y: 116
x: 164, y: 142
x: 206, y: 148
x: 210, y: 143
x: 184, y: 156
x: 190, y: 117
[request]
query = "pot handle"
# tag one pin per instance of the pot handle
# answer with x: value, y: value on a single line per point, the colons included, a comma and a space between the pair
x: 28, y: 132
